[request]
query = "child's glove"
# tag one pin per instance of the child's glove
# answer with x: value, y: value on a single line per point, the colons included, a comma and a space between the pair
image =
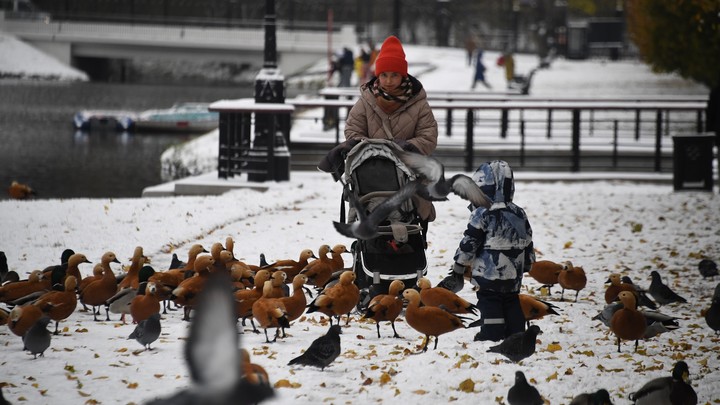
x: 455, y: 281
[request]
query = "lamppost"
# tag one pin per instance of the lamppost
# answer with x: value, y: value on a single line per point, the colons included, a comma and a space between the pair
x: 270, y: 88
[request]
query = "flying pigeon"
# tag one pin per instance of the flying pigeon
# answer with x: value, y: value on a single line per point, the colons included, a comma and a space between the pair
x: 322, y: 351
x: 366, y: 227
x: 436, y: 187
x: 147, y: 331
x: 522, y: 393
x: 518, y: 346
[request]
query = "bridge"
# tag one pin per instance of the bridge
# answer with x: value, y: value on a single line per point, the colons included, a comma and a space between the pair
x: 68, y: 41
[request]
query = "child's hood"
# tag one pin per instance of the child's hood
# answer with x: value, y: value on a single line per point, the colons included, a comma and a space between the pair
x: 496, y: 180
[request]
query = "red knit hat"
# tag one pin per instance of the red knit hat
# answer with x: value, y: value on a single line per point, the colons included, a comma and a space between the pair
x: 391, y: 57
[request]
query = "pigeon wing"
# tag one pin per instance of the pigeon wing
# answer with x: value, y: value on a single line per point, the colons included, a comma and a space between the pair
x: 466, y: 188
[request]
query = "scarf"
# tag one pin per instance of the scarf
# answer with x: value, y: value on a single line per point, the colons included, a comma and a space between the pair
x: 390, y: 102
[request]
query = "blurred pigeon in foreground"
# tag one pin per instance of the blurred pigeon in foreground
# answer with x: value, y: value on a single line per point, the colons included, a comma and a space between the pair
x: 322, y: 351
x: 522, y: 393
x: 212, y: 352
x: 366, y: 227
x: 519, y: 345
x: 599, y: 397
x: 37, y: 338
x: 707, y: 268
x: 661, y: 292
x: 667, y: 390
x: 147, y: 331
x: 437, y: 187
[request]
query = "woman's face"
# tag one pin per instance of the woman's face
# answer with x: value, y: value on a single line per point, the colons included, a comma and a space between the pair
x: 390, y: 81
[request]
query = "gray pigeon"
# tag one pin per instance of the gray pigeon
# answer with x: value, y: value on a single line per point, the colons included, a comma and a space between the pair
x: 37, y: 338
x: 518, y: 346
x: 707, y: 268
x: 712, y: 316
x: 147, y: 331
x: 436, y: 187
x: 662, y: 293
x: 667, y: 390
x: 212, y: 352
x: 599, y: 397
x: 322, y: 351
x: 641, y: 297
x: 366, y: 227
x: 522, y: 393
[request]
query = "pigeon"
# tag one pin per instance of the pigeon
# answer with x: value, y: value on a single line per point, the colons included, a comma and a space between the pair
x: 666, y: 390
x: 147, y: 331
x: 712, y: 315
x: 3, y: 267
x: 707, y: 268
x: 37, y: 338
x: 367, y: 225
x: 322, y: 351
x: 522, y: 393
x: 176, y: 263
x: 599, y: 397
x: 518, y: 346
x: 213, y: 353
x: 436, y: 187
x: 661, y: 292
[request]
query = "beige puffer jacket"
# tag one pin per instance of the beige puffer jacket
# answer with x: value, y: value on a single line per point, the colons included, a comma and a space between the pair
x: 413, y: 122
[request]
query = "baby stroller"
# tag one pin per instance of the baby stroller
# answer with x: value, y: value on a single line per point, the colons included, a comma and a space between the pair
x: 373, y: 173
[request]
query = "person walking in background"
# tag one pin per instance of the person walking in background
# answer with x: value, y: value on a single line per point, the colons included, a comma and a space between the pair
x: 470, y: 46
x: 393, y: 105
x: 498, y: 247
x: 508, y: 61
x: 479, y: 70
x: 346, y: 64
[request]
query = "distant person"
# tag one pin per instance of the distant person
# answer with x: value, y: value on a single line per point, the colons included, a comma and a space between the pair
x: 479, y: 70
x: 346, y: 63
x: 470, y: 46
x: 508, y: 61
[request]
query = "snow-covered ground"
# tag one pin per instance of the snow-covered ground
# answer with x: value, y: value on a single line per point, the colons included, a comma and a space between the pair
x: 602, y: 226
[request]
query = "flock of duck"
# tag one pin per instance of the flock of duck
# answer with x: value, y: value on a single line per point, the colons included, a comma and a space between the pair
x: 273, y: 295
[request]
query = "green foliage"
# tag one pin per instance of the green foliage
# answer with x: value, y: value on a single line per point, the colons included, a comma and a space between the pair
x: 681, y: 36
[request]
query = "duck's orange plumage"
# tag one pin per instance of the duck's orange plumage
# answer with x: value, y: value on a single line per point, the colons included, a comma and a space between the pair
x: 270, y: 312
x: 295, y: 304
x: 35, y: 282
x: 99, y: 291
x: 22, y: 318
x: 439, y: 296
x: 572, y: 278
x: 616, y: 286
x: 386, y: 307
x: 337, y: 299
x: 534, y: 308
x: 244, y: 299
x: 628, y: 323
x: 145, y: 305
x: 292, y: 267
x: 59, y: 305
x: 187, y: 292
x: 546, y: 272
x: 132, y: 279
x: 20, y: 191
x: 430, y: 321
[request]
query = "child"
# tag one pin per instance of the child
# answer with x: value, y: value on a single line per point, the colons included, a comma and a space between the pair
x: 498, y: 246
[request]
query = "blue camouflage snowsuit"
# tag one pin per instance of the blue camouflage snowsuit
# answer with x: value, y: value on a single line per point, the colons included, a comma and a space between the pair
x: 498, y: 245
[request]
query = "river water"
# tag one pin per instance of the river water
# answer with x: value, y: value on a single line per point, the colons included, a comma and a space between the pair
x: 40, y: 147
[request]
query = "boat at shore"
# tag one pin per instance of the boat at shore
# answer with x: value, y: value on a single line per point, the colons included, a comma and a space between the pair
x: 181, y: 117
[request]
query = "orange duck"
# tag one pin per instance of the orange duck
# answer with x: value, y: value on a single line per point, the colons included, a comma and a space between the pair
x: 186, y: 293
x: 22, y: 318
x: 295, y: 304
x: 278, y: 290
x: 337, y: 299
x: 322, y: 264
x: 546, y: 272
x: 97, y: 274
x: 270, y: 312
x: 439, y: 296
x: 534, y: 308
x: 320, y: 271
x: 244, y: 299
x: 59, y: 305
x: 616, y: 286
x: 572, y: 278
x: 35, y: 282
x: 628, y: 323
x: 20, y: 191
x: 253, y: 373
x: 145, y: 303
x: 71, y: 267
x: 131, y: 278
x: 242, y: 275
x: 386, y: 307
x: 292, y: 267
x: 430, y: 321
x: 99, y: 291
